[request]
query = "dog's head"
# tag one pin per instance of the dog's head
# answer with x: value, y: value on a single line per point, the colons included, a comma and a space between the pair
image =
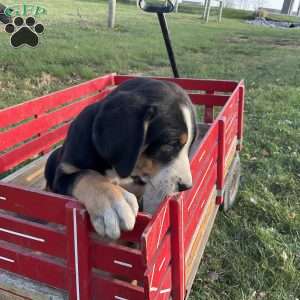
x: 145, y: 130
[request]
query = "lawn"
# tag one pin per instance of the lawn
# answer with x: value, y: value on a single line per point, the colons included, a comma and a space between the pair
x: 254, y: 250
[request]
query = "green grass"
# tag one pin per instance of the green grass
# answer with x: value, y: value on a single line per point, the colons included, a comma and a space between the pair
x: 255, y: 248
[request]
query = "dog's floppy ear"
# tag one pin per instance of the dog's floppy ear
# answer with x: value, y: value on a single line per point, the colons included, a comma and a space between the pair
x: 120, y: 129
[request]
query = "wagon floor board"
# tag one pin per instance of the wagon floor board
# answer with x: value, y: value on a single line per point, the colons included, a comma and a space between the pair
x: 31, y: 175
x: 13, y: 287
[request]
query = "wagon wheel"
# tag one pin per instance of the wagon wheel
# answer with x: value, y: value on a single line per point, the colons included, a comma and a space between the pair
x: 232, y: 183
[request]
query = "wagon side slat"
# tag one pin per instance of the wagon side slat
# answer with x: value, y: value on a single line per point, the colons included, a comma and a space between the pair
x: 197, y: 199
x: 25, y: 131
x: 208, y: 99
x: 157, y: 268
x: 156, y: 231
x: 36, y: 267
x: 33, y: 204
x: 32, y: 148
x: 190, y: 84
x: 117, y: 259
x: 202, y: 198
x: 113, y: 289
x: 241, y: 115
x: 200, y: 180
x: 17, y: 113
x: 32, y: 235
x: 165, y: 289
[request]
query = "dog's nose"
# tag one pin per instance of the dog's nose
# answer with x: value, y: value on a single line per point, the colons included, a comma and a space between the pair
x: 183, y: 187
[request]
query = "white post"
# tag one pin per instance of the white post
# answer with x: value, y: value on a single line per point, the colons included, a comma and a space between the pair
x: 207, y: 10
x: 220, y: 12
x: 111, y: 13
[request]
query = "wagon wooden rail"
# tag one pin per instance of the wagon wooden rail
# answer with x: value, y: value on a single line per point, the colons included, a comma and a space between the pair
x: 48, y: 238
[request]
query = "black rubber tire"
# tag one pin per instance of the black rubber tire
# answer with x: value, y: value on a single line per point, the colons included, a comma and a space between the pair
x: 232, y: 182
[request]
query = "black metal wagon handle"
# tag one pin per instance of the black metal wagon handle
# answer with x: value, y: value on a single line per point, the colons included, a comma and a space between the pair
x: 160, y: 10
x: 166, y: 7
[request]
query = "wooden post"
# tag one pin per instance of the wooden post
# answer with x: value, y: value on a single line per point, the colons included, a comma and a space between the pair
x: 221, y: 161
x: 220, y: 12
x: 178, y: 259
x: 111, y: 13
x: 207, y: 11
x: 176, y: 6
x: 78, y: 262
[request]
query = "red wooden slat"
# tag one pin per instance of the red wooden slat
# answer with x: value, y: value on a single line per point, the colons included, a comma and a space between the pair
x: 25, y: 131
x: 221, y: 159
x: 32, y: 148
x: 113, y: 289
x: 177, y: 246
x: 28, y: 264
x: 198, y: 196
x: 209, y: 139
x: 206, y: 99
x: 156, y: 230
x: 17, y: 113
x: 241, y: 115
x: 117, y: 259
x: 30, y: 203
x: 230, y: 107
x: 192, y: 196
x: 230, y: 135
x: 31, y: 235
x: 157, y: 269
x: 202, y: 199
x: 78, y: 261
x: 190, y: 84
x: 142, y: 221
x: 165, y: 289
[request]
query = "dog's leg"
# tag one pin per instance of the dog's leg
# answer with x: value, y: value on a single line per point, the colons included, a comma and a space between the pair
x: 111, y: 208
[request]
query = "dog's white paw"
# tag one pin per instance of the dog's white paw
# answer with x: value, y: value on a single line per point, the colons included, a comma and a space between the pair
x: 111, y: 208
x: 118, y: 214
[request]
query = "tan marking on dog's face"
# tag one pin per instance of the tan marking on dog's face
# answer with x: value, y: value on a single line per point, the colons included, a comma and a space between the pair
x: 146, y: 166
x: 183, y: 138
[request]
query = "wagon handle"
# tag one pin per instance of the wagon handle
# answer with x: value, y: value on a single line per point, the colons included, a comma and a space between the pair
x: 157, y: 8
x: 160, y: 10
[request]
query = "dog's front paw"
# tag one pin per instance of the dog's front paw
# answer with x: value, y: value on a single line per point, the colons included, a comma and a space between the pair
x: 115, y: 215
x: 111, y: 208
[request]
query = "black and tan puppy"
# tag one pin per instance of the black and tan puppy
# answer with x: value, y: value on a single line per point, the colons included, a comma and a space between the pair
x: 138, y: 139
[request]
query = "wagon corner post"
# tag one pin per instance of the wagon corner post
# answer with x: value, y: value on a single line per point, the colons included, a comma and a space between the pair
x: 221, y: 160
x: 241, y: 115
x: 177, y: 246
x: 78, y: 261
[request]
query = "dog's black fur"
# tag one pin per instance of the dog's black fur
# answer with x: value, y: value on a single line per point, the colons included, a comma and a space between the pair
x: 141, y: 115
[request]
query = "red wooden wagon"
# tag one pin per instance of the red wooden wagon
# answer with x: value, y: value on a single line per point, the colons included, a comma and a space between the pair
x: 48, y: 238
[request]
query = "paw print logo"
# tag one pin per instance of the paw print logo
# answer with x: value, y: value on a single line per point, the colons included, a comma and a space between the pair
x: 24, y: 33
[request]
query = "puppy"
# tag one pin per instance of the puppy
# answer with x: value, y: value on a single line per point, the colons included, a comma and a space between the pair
x: 128, y: 147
